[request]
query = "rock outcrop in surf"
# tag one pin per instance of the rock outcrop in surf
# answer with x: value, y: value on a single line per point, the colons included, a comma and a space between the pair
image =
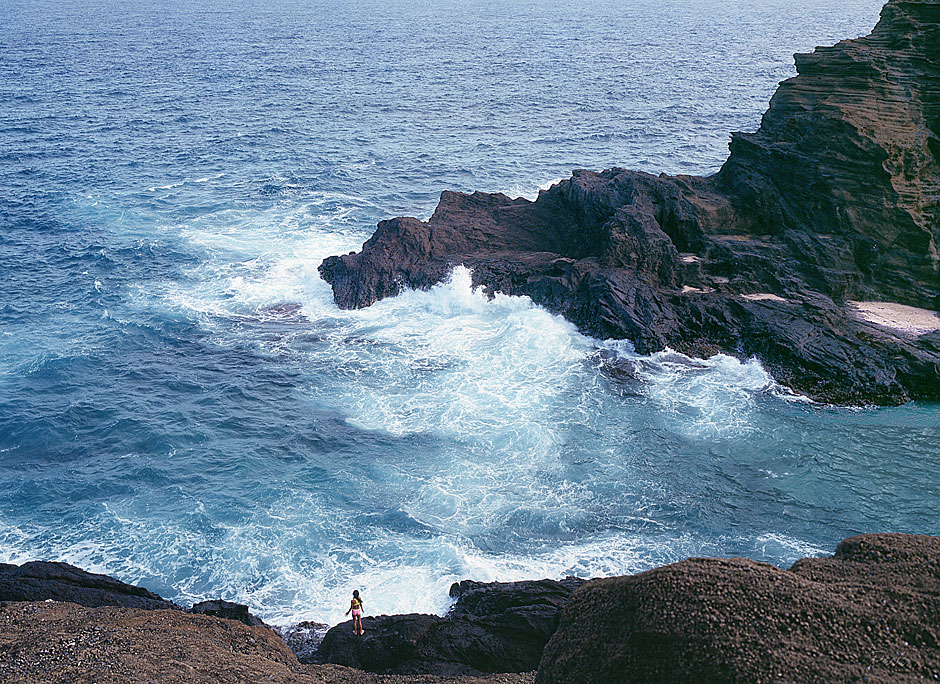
x: 835, y: 198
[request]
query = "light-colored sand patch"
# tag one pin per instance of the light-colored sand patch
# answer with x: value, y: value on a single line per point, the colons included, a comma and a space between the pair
x: 742, y: 238
x: 690, y: 259
x: 764, y: 297
x: 908, y: 319
x: 688, y: 289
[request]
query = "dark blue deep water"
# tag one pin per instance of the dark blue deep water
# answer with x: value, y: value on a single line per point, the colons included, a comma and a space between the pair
x: 181, y: 404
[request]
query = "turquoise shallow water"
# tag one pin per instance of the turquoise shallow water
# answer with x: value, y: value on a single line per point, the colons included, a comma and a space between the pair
x: 181, y: 404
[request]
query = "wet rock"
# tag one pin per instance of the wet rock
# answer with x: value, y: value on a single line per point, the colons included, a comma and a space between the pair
x: 835, y: 198
x: 492, y: 627
x: 303, y: 639
x: 227, y: 610
x: 42, y: 580
x: 869, y: 613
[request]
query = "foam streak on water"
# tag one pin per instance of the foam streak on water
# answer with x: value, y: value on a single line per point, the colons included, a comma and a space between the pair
x: 183, y: 406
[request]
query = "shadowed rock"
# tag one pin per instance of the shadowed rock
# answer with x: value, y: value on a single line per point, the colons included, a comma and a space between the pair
x: 227, y: 610
x: 303, y: 638
x: 835, y: 198
x: 41, y: 580
x: 493, y: 627
x: 870, y: 613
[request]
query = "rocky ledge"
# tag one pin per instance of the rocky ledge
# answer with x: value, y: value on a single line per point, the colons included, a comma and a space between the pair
x: 492, y: 627
x: 833, y: 204
x: 869, y: 613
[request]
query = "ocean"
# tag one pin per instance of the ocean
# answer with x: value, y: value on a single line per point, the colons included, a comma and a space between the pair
x: 183, y: 406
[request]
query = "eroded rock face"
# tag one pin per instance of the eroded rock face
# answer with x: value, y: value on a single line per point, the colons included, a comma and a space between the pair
x: 835, y: 198
x: 41, y: 580
x: 493, y: 627
x: 869, y: 613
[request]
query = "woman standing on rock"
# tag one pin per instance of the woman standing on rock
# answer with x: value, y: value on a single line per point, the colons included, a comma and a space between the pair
x: 356, y: 607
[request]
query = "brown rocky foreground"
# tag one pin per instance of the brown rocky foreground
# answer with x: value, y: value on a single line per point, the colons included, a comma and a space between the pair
x: 869, y: 613
x: 834, y: 200
x: 64, y: 643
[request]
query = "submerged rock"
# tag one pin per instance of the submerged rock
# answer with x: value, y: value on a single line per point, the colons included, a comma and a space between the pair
x: 493, y: 627
x: 835, y: 198
x: 869, y: 613
x: 43, y: 580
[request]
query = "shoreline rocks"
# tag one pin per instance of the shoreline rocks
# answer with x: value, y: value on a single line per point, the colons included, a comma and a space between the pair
x: 228, y: 611
x: 836, y: 198
x: 42, y: 580
x: 492, y: 627
x: 870, y: 612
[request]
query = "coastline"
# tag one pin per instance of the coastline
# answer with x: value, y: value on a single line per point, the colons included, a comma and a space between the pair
x: 833, y: 200
x: 863, y: 613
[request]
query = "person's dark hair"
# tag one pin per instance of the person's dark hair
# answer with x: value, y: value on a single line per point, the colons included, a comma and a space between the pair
x: 355, y: 593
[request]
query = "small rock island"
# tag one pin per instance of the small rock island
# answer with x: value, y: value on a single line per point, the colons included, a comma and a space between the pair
x: 815, y: 248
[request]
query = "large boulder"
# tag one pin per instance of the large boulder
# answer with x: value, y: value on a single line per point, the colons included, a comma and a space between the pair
x: 41, y: 580
x: 870, y: 613
x: 492, y: 627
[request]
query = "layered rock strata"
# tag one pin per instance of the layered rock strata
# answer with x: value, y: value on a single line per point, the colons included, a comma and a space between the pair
x: 835, y: 198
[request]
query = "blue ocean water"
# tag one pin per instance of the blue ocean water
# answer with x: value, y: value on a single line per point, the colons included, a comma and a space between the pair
x: 182, y: 405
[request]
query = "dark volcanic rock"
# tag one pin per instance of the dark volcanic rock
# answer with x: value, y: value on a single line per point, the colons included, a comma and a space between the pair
x: 41, y: 580
x: 227, y: 610
x: 303, y: 639
x: 493, y: 627
x: 870, y: 613
x: 835, y: 198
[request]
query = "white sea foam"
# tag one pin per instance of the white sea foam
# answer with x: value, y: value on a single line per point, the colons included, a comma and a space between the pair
x: 776, y: 545
x: 709, y: 399
x: 271, y: 569
x: 177, y: 184
x: 531, y: 192
x: 513, y: 394
x: 458, y: 363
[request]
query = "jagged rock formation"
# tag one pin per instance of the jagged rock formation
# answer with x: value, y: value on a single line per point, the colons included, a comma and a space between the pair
x: 870, y: 613
x: 493, y: 627
x: 303, y: 638
x: 835, y: 198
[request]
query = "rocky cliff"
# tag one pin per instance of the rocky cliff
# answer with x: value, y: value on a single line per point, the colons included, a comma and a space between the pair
x: 834, y: 200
